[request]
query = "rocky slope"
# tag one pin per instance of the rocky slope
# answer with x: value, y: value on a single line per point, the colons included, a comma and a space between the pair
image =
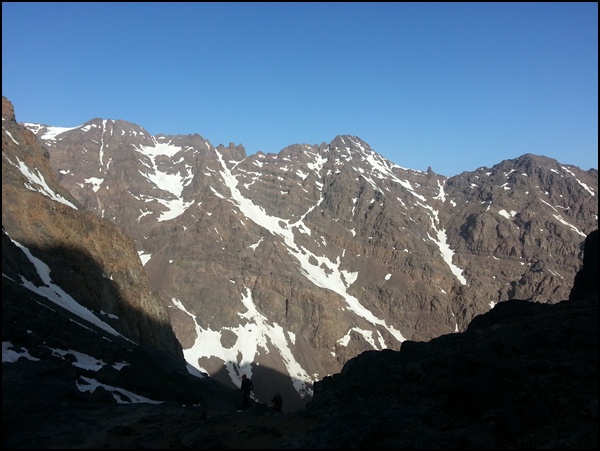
x: 89, y: 257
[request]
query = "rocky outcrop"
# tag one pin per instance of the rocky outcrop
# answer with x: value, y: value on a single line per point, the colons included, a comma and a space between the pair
x: 523, y: 375
x: 586, y: 280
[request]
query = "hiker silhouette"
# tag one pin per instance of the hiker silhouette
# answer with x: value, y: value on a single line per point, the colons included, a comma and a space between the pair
x: 276, y: 403
x: 246, y: 387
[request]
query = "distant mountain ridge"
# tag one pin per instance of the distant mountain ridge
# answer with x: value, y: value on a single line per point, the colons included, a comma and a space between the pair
x: 288, y: 265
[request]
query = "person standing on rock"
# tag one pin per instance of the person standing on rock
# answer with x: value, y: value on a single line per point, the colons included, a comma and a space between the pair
x: 276, y: 403
x: 246, y: 388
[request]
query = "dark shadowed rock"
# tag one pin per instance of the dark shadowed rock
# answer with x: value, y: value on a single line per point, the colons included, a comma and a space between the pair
x: 586, y: 280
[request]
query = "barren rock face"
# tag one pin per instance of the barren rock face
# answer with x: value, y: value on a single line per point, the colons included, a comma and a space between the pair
x: 92, y: 259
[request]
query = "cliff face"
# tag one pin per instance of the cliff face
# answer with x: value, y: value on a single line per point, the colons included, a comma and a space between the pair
x: 92, y: 259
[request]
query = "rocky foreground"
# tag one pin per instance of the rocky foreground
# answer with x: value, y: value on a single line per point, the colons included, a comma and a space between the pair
x: 525, y: 380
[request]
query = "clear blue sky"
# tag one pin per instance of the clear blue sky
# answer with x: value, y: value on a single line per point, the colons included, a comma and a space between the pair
x: 454, y: 86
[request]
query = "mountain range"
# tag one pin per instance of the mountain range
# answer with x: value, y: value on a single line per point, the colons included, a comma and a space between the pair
x: 286, y: 266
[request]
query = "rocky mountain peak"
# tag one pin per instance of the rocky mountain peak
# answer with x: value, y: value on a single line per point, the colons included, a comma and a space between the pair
x: 8, y: 112
x: 286, y: 266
